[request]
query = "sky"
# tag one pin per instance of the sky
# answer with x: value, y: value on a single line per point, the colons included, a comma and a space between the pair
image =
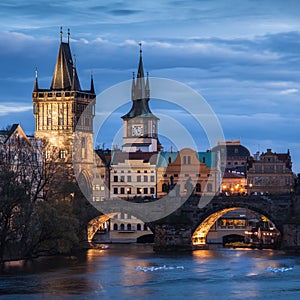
x: 242, y: 57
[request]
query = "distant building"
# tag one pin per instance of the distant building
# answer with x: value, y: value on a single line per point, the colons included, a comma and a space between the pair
x: 17, y: 148
x: 234, y: 158
x: 21, y: 154
x: 233, y: 155
x: 101, y: 176
x: 133, y: 174
x: 188, y: 172
x: 234, y: 183
x: 272, y: 173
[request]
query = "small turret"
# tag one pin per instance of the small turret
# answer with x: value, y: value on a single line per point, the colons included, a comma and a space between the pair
x: 92, y: 89
x: 36, y: 82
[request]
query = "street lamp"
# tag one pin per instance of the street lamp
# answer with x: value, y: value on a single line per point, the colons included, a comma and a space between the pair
x: 250, y: 186
x: 128, y: 191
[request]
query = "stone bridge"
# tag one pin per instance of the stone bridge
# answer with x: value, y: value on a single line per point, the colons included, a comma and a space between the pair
x: 177, y: 222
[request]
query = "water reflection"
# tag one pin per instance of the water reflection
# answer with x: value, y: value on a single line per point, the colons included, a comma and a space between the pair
x: 113, y: 273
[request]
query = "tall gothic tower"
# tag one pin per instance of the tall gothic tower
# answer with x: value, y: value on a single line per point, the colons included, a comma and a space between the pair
x: 57, y: 110
x: 140, y: 124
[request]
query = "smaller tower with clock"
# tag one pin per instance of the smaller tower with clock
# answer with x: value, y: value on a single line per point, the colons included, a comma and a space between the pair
x: 140, y: 124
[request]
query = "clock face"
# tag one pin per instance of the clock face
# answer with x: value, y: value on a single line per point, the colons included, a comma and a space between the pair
x: 137, y: 130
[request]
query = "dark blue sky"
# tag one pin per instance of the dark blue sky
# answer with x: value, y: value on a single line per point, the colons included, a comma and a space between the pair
x: 243, y: 57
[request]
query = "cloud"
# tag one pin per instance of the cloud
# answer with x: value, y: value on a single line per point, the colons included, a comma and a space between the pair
x: 124, y: 12
x: 11, y: 108
x: 289, y: 91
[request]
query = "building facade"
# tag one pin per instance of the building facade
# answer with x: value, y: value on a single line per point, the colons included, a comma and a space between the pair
x: 271, y: 173
x: 233, y: 155
x: 188, y: 172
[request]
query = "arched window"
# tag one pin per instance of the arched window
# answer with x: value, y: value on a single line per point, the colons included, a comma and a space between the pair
x: 145, y: 227
x: 128, y: 226
x: 115, y: 226
x: 164, y: 187
x: 122, y: 227
x: 198, y: 187
x: 138, y: 227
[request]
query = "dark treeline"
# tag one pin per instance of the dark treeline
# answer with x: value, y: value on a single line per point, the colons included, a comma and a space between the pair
x: 42, y: 210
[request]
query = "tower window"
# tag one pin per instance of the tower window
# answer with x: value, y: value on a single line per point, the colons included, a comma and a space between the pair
x: 83, y: 148
x: 49, y: 120
x: 60, y: 121
x: 62, y: 154
x: 47, y: 154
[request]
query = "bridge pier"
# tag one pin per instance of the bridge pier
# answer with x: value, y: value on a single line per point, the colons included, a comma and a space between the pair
x: 172, y: 237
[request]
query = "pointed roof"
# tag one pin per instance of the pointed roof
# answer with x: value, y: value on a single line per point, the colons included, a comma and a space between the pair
x: 92, y: 90
x: 64, y: 77
x: 36, y: 82
x: 140, y: 94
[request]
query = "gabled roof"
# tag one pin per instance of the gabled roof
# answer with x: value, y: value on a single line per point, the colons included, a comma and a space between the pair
x: 5, y: 135
x: 65, y: 76
x: 105, y: 156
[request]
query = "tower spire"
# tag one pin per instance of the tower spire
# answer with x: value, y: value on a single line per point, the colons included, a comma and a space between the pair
x: 68, y: 35
x: 61, y: 34
x: 92, y: 90
x: 140, y: 73
x: 139, y: 92
x: 73, y: 78
x: 36, y: 83
x: 63, y: 75
x: 133, y: 87
x: 147, y: 88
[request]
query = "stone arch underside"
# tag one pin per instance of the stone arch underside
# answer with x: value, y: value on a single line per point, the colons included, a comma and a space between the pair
x: 95, y: 224
x: 199, y: 235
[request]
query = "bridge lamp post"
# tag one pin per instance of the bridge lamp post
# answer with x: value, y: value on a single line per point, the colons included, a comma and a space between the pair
x: 250, y: 186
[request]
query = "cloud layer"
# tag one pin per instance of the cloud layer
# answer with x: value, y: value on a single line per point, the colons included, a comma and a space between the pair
x: 243, y: 58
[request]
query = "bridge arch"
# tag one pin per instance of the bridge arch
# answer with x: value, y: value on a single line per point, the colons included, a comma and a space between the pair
x: 200, y: 233
x: 133, y: 225
x: 203, y: 226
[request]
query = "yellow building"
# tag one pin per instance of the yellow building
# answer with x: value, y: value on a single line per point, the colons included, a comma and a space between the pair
x: 188, y: 171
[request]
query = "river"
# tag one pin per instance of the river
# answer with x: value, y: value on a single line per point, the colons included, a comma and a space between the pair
x: 135, y: 272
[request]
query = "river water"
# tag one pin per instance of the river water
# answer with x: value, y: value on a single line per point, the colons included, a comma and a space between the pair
x: 135, y: 272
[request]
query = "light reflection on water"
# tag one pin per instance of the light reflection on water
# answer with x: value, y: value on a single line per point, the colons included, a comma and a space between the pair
x: 119, y: 272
